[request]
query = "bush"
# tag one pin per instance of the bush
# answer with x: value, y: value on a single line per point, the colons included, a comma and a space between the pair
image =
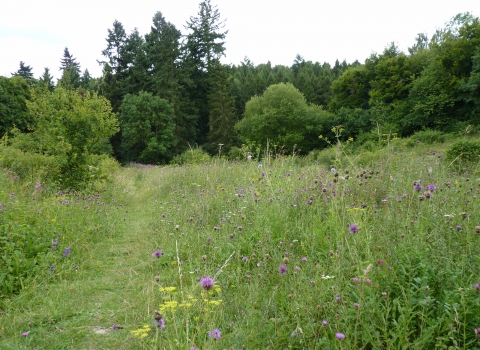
x: 464, y: 150
x: 429, y: 136
x: 191, y: 156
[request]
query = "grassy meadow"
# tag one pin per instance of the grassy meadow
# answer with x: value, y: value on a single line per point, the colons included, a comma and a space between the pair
x: 383, y: 252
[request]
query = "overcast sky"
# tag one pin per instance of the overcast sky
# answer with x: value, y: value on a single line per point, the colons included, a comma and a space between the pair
x: 37, y: 31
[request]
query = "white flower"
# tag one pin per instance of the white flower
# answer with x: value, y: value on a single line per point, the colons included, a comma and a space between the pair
x: 333, y: 170
x: 259, y: 166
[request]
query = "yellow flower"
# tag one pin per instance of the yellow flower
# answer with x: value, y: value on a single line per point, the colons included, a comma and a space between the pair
x: 215, y: 302
x: 185, y: 304
x: 167, y: 289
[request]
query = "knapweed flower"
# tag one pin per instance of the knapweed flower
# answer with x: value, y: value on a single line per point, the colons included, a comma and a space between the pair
x: 38, y: 185
x: 283, y: 269
x: 418, y: 187
x: 356, y: 280
x: 206, y: 282
x: 304, y: 260
x: 215, y: 334
x: 353, y: 229
x: 25, y: 334
x: 324, y: 323
x: 431, y: 188
x: 458, y: 227
x: 356, y: 305
x: 244, y: 259
x: 340, y: 336
x: 160, y: 323
x: 67, y: 251
x: 157, y: 253
x: 476, y: 286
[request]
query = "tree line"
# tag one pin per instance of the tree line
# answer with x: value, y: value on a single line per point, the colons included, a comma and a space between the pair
x: 170, y: 91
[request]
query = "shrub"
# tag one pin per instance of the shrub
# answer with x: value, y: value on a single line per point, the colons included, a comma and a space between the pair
x: 464, y: 150
x: 429, y: 136
x: 191, y: 156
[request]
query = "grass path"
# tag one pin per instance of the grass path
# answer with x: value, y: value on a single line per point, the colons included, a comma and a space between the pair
x: 113, y: 285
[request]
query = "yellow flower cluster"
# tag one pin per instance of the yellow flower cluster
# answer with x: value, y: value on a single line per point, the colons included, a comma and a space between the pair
x: 141, y: 332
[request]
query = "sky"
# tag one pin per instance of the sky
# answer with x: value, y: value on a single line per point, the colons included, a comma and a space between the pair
x: 37, y: 32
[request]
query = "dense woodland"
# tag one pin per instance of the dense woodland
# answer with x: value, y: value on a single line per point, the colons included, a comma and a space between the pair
x: 169, y: 91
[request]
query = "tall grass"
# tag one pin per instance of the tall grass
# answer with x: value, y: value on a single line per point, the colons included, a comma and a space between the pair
x: 302, y: 257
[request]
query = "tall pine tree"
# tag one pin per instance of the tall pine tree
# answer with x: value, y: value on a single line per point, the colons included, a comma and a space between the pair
x: 221, y: 105
x: 205, y: 44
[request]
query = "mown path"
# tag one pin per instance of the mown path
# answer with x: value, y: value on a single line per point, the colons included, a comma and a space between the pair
x: 113, y: 285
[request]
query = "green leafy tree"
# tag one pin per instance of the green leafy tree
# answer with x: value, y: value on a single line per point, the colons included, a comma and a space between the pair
x: 282, y: 117
x: 221, y: 105
x: 72, y: 127
x: 351, y: 89
x: 147, y: 128
x: 14, y: 94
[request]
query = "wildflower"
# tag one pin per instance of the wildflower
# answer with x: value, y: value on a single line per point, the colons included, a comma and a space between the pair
x: 384, y: 295
x: 309, y: 202
x: 160, y: 323
x: 67, y: 251
x: 114, y: 327
x: 25, y: 334
x: 259, y: 166
x: 418, y: 188
x: 458, y: 227
x: 157, y: 253
x: 283, y: 269
x: 38, y: 185
x: 215, y: 334
x: 476, y: 286
x: 209, y: 239
x: 244, y: 259
x: 356, y: 305
x: 324, y: 323
x: 340, y: 336
x: 297, y: 268
x: 431, y: 188
x: 304, y: 260
x: 337, y: 299
x: 52, y: 267
x: 353, y: 229
x: 206, y: 282
x: 356, y: 280
x: 477, y: 332
x: 55, y: 243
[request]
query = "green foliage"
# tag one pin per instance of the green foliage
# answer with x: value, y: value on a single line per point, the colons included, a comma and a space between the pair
x: 147, y: 128
x: 221, y: 105
x: 465, y: 151
x: 192, y: 156
x: 282, y: 117
x: 14, y: 94
x: 70, y: 127
x: 25, y: 72
x: 429, y: 136
x: 351, y: 89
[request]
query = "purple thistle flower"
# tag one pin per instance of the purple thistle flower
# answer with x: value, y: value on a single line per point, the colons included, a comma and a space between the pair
x: 67, y: 251
x: 52, y: 267
x: 309, y: 201
x: 304, y: 260
x: 476, y: 286
x: 157, y: 253
x: 356, y: 305
x: 418, y: 188
x: 458, y: 227
x: 160, y: 323
x: 324, y: 323
x: 353, y: 229
x: 209, y: 239
x: 25, y: 334
x: 356, y: 280
x: 283, y: 269
x: 206, y: 282
x: 38, y: 185
x: 244, y: 259
x: 215, y: 334
x: 55, y: 243
x: 340, y: 336
x: 114, y: 327
x: 431, y: 187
